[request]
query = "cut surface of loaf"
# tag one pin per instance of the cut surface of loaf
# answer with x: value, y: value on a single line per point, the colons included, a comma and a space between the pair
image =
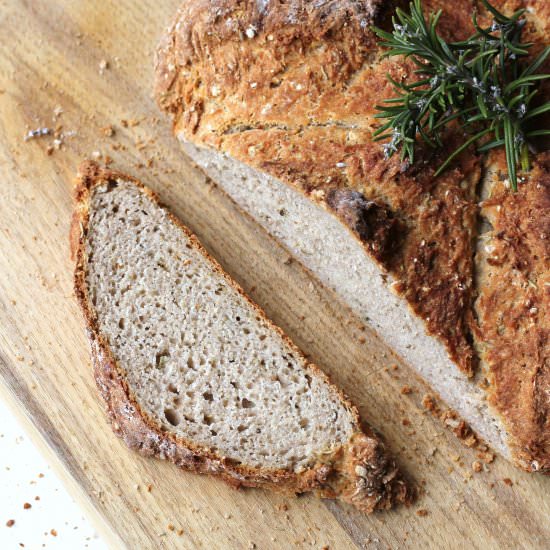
x: 276, y: 102
x: 325, y: 247
x: 193, y: 371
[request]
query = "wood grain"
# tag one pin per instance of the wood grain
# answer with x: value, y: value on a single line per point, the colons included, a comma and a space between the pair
x: 50, y: 56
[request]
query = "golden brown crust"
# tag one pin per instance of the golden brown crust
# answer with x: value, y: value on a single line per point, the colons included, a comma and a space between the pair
x: 360, y: 472
x: 514, y: 309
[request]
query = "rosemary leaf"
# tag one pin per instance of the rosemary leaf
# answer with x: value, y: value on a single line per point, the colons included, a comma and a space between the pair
x: 482, y: 83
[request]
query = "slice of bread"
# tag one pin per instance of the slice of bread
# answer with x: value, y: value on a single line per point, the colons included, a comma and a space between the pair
x: 192, y: 371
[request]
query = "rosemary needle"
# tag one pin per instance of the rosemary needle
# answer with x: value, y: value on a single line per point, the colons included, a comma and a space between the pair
x: 482, y: 82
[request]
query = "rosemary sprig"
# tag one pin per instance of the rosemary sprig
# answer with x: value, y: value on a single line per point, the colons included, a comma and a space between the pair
x: 482, y: 82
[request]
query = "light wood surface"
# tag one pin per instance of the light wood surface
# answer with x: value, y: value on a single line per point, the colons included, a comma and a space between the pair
x: 51, y: 58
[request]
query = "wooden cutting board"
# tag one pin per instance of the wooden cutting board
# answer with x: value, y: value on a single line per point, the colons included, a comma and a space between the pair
x: 82, y: 66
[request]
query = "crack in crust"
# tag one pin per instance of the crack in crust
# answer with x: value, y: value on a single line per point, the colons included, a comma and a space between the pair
x: 331, y: 474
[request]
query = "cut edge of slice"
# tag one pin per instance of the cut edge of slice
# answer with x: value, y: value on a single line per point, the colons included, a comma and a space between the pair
x: 359, y: 472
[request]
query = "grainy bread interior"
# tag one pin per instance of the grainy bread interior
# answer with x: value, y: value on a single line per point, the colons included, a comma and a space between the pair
x: 325, y: 246
x: 196, y: 356
x: 192, y: 371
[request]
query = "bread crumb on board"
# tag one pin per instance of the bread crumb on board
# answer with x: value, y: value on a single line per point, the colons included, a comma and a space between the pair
x: 108, y: 131
x: 10, y: 523
x: 422, y: 512
x: 103, y: 66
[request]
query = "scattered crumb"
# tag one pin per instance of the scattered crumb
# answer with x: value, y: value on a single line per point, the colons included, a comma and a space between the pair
x: 53, y: 533
x: 362, y: 339
x: 108, y: 131
x: 476, y: 466
x: 422, y: 512
x: 170, y: 527
x: 508, y: 481
x: 10, y: 523
x: 429, y: 403
x: 180, y: 532
x: 406, y: 390
x: 486, y: 456
x: 282, y: 507
x: 27, y: 505
x: 103, y: 65
x: 149, y: 488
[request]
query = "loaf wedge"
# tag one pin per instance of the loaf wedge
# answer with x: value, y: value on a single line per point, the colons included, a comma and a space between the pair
x: 276, y: 102
x: 192, y: 371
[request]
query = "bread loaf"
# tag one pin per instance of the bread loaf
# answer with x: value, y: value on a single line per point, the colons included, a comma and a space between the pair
x: 275, y: 101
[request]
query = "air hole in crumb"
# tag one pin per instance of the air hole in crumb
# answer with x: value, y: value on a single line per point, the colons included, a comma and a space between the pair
x: 247, y: 404
x: 172, y: 416
x: 191, y: 363
x: 241, y: 428
x: 246, y: 330
x: 207, y: 419
x: 208, y: 396
x: 237, y: 318
x: 160, y: 358
x: 304, y: 423
x: 235, y: 385
x: 121, y: 323
x: 172, y: 388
